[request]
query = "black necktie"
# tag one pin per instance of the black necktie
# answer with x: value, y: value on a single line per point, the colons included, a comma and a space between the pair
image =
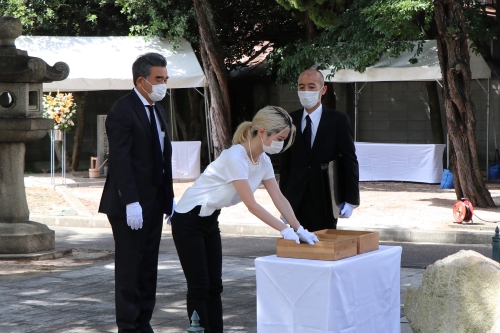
x: 157, y: 154
x: 307, y: 133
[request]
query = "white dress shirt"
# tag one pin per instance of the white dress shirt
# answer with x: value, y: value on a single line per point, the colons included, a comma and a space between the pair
x: 161, y: 134
x: 315, y: 116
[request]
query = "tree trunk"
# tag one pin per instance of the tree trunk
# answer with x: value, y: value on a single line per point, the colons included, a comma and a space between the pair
x: 80, y: 100
x: 435, y: 112
x: 213, y: 66
x: 454, y: 61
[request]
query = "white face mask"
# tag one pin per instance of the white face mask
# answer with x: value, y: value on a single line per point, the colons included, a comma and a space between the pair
x: 158, y: 93
x: 309, y: 99
x: 274, y: 148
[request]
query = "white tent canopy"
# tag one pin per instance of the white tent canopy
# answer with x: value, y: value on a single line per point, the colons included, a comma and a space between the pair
x: 399, y: 69
x: 105, y: 63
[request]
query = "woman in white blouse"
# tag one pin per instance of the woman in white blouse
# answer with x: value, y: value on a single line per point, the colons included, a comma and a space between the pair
x: 233, y: 177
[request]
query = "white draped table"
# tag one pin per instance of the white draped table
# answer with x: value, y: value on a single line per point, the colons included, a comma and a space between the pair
x: 360, y: 294
x: 400, y: 162
x: 186, y: 159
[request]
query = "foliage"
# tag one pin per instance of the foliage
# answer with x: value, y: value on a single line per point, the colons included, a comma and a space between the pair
x: 368, y: 30
x: 241, y: 25
x: 68, y: 17
x: 324, y: 13
x: 60, y: 108
x: 163, y: 18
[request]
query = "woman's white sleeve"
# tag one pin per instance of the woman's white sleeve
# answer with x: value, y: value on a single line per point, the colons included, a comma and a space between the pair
x: 236, y: 168
x: 269, y: 173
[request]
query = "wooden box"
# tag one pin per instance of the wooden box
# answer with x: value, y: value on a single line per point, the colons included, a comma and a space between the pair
x: 366, y: 240
x: 330, y: 249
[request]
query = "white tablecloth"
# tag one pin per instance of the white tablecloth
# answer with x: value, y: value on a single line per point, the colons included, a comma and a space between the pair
x: 359, y: 294
x: 186, y: 159
x: 400, y: 162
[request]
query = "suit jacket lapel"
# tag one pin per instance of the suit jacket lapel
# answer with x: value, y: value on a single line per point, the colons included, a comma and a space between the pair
x: 140, y: 110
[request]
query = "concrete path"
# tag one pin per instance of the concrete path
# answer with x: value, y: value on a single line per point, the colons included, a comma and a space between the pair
x: 76, y: 295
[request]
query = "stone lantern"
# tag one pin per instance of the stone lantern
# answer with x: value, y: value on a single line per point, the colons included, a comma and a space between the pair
x: 21, y: 79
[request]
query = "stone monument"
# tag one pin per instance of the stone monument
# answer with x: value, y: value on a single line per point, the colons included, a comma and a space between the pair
x: 21, y: 78
x: 459, y: 293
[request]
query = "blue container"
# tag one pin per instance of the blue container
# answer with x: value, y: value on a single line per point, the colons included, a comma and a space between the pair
x: 494, y: 171
x: 447, y: 179
x: 494, y: 168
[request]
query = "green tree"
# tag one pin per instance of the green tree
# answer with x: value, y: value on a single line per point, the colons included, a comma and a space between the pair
x: 68, y: 17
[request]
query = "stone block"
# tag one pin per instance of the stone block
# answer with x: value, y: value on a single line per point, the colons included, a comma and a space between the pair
x: 25, y: 237
x: 416, y: 125
x: 459, y: 293
x: 381, y: 125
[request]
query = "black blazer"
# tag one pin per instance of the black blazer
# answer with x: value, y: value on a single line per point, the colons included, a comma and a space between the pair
x: 299, y: 169
x: 130, y: 172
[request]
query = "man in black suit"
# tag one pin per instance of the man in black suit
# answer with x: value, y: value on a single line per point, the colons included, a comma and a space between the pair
x: 138, y: 190
x: 323, y: 135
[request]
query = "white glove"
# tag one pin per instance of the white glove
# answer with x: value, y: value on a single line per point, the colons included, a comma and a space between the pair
x: 168, y: 218
x: 289, y: 234
x: 282, y: 218
x: 306, y: 236
x: 134, y: 216
x: 345, y: 210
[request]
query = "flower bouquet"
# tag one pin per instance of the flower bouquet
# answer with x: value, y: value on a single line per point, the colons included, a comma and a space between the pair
x: 61, y: 108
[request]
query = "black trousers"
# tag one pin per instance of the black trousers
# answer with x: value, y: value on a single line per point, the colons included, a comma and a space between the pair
x: 198, y: 243
x: 312, y: 215
x: 136, y: 268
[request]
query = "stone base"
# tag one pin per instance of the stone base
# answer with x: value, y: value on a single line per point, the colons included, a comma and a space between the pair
x: 25, y: 237
x: 45, y: 255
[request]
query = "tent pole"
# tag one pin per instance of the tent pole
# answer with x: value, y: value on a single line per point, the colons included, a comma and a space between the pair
x: 487, y: 127
x: 355, y: 111
x: 487, y: 91
x: 171, y: 115
x: 208, y: 126
x: 447, y: 151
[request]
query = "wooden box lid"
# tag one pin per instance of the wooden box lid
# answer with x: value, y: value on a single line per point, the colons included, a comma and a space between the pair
x: 366, y: 240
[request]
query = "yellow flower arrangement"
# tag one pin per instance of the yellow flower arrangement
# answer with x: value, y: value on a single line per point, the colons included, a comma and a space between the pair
x: 61, y: 108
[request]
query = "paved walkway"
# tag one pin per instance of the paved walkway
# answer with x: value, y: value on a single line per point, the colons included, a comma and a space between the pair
x: 75, y: 294
x: 71, y: 295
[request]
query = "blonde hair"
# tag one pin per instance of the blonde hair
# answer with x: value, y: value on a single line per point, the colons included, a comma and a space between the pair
x: 272, y: 118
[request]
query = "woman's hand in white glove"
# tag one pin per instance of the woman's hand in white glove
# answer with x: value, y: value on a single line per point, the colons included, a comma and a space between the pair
x: 289, y: 234
x: 306, y: 236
